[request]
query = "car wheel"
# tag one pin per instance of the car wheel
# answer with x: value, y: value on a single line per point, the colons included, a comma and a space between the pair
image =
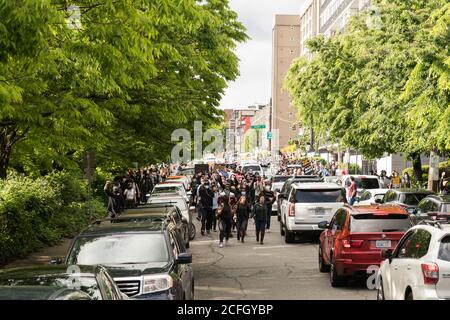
x: 289, y: 237
x: 380, y: 291
x: 335, y: 279
x: 192, y: 232
x: 409, y: 295
x: 322, y: 266
x: 282, y: 233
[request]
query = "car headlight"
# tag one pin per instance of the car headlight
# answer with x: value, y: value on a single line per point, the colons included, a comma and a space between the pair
x: 157, y: 283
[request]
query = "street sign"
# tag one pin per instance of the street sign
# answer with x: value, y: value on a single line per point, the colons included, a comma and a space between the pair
x: 258, y: 126
x: 269, y: 135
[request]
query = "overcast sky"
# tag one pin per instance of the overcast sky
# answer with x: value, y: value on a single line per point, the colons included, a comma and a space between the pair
x: 254, y: 84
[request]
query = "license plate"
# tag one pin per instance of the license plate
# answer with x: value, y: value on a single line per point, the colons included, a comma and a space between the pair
x: 320, y: 212
x: 383, y: 244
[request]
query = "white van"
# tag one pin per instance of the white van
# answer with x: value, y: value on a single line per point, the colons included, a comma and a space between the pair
x: 252, y: 167
x: 306, y: 205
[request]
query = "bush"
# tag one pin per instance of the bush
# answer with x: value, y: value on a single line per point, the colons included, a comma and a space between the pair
x: 41, y: 212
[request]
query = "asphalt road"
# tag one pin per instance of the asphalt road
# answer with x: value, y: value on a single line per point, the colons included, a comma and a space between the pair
x: 275, y: 270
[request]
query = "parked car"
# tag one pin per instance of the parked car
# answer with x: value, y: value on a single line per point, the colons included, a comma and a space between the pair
x: 363, y: 182
x: 167, y: 189
x: 433, y: 203
x: 45, y: 282
x: 354, y: 238
x: 332, y: 179
x: 158, y: 213
x: 183, y: 179
x: 187, y: 172
x: 306, y: 205
x: 147, y: 260
x: 419, y: 267
x: 406, y: 198
x: 287, y: 185
x: 276, y: 188
x: 372, y: 196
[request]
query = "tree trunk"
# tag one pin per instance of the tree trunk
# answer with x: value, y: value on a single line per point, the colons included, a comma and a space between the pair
x: 417, y: 166
x: 433, y: 174
x: 8, y: 137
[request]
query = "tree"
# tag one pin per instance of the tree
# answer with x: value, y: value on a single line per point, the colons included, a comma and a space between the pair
x: 118, y: 83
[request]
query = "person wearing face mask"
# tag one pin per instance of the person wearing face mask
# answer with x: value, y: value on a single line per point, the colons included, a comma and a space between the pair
x: 406, y: 181
x: 215, y: 206
x: 206, y: 201
x: 224, y: 220
x: 259, y: 214
x: 242, y: 214
x: 269, y: 197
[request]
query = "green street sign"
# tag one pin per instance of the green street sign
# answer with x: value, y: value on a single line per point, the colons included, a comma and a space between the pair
x: 269, y: 135
x: 259, y: 126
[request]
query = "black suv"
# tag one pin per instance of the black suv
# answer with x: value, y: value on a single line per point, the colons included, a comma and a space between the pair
x: 73, y: 282
x: 148, y: 260
x: 157, y: 213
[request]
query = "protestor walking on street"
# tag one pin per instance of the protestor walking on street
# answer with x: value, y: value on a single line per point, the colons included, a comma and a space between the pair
x: 242, y: 215
x: 206, y: 200
x: 224, y: 220
x: 269, y: 197
x: 259, y: 214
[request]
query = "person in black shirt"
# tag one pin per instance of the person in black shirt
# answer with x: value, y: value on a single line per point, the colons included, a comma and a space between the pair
x: 269, y: 197
x: 206, y: 202
x: 242, y: 215
x: 224, y: 216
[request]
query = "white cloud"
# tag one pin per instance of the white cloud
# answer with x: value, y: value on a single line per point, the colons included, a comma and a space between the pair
x: 254, y: 84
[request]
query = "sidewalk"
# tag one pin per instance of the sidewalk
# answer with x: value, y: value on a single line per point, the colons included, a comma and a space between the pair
x: 42, y: 256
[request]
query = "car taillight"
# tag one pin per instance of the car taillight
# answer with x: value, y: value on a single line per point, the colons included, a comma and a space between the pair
x: 291, y: 211
x: 430, y: 273
x: 352, y: 243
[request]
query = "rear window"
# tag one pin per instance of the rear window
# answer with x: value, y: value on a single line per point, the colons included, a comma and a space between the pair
x: 444, y: 249
x: 379, y: 223
x: 445, y: 207
x: 319, y: 196
x: 412, y: 199
x: 251, y: 168
x: 280, y: 179
x: 367, y: 183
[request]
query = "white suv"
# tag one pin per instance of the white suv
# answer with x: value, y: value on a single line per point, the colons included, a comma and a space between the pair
x: 419, y: 268
x: 306, y: 205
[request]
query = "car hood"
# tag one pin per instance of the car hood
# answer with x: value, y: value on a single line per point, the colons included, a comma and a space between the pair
x: 136, y: 270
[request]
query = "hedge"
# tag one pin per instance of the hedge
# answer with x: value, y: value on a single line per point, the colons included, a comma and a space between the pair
x: 443, y: 167
x: 40, y: 212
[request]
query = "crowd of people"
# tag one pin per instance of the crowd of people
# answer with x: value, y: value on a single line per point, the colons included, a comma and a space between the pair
x: 228, y: 203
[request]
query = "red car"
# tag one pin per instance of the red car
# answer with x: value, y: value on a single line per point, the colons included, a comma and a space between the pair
x: 353, y: 240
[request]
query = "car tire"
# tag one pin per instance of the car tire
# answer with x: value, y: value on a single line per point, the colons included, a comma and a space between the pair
x: 192, y: 232
x: 322, y: 266
x: 282, y: 233
x: 335, y: 279
x: 289, y: 236
x: 409, y: 295
x: 380, y: 291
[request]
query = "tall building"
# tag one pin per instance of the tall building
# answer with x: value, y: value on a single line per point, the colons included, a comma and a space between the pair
x: 309, y: 25
x: 285, y: 48
x: 334, y: 14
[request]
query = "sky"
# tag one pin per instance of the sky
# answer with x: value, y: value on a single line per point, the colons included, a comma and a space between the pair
x: 254, y: 84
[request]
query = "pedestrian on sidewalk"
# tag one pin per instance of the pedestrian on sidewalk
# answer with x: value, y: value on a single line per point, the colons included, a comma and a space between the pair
x: 224, y: 219
x: 242, y: 215
x: 260, y: 216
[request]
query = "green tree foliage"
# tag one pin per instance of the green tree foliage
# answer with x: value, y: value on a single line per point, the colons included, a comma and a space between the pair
x: 380, y: 87
x: 117, y: 81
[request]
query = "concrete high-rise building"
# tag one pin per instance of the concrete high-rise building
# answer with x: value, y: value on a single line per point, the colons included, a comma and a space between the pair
x: 334, y: 14
x: 309, y: 25
x: 285, y: 48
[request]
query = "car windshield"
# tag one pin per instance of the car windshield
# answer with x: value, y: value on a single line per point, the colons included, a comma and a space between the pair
x: 379, y: 223
x: 319, y: 196
x: 39, y: 288
x: 444, y: 249
x: 162, y: 189
x: 367, y: 183
x: 119, y: 249
x: 413, y: 199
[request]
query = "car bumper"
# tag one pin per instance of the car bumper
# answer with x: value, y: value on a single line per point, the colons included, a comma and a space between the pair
x: 163, y: 295
x: 303, y: 226
x: 349, y: 267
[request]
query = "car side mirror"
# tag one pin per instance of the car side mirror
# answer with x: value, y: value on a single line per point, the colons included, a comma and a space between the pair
x: 57, y: 260
x: 387, y: 254
x: 379, y: 201
x: 184, y: 258
x: 324, y: 225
